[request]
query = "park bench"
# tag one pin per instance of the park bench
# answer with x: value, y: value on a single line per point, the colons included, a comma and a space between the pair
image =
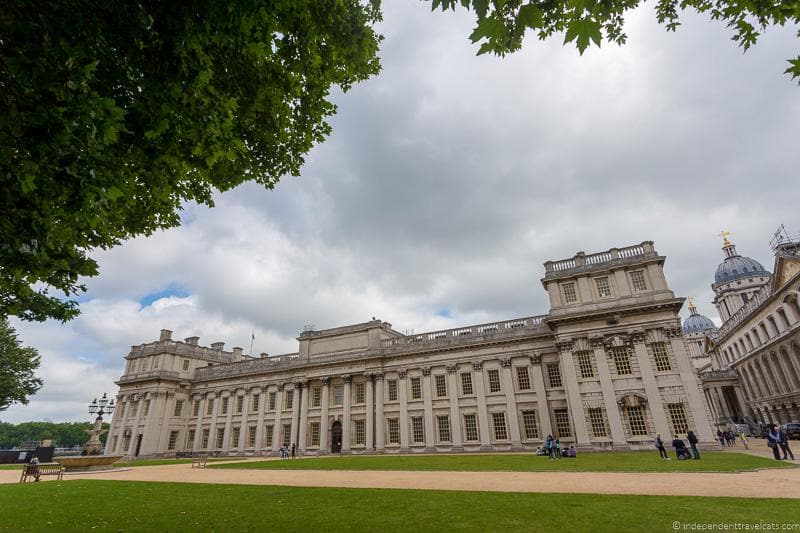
x: 199, y: 461
x: 44, y: 469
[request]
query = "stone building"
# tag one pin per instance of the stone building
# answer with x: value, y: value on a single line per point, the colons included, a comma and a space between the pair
x: 606, y: 368
x: 753, y: 375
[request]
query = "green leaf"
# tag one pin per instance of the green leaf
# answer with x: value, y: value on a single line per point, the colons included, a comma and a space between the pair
x: 530, y: 16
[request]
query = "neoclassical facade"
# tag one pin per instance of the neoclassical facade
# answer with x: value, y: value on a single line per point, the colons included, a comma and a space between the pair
x: 606, y: 368
x: 753, y: 372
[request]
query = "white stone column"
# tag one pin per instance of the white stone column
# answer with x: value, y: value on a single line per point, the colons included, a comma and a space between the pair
x: 785, y: 371
x: 198, y: 428
x: 380, y: 431
x: 162, y: 426
x: 483, y: 413
x: 370, y: 440
x: 244, y: 429
x: 226, y: 435
x: 324, y: 425
x: 511, y: 402
x: 295, y: 414
x: 654, y: 402
x: 212, y: 428
x: 303, y: 430
x: 455, y: 413
x: 691, y: 385
x: 277, y: 425
x: 346, y: 415
x: 430, y: 442
x: 113, y: 423
x: 542, y: 408
x: 574, y: 400
x: 609, y: 395
x: 263, y: 399
x: 402, y: 390
x: 135, y: 428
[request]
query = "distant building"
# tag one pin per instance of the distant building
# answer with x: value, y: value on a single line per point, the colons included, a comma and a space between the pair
x: 607, y: 367
x: 753, y: 370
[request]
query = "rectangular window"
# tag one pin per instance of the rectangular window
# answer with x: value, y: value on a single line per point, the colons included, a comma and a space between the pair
x: 570, y: 296
x: 470, y: 428
x: 126, y: 441
x: 178, y: 408
x: 272, y: 400
x: 677, y: 415
x: 394, y: 430
x: 289, y: 399
x: 416, y: 389
x: 146, y: 407
x: 361, y: 393
x: 268, y: 431
x: 210, y: 406
x: 443, y: 425
x: 598, y: 422
x: 637, y: 280
x: 554, y: 375
x: 523, y: 379
x: 622, y: 360
x: 499, y: 424
x: 224, y: 407
x: 562, y: 423
x: 392, y: 390
x: 251, y: 437
x: 196, y: 408
x: 220, y: 438
x: 190, y: 439
x: 185, y: 364
x: 204, y: 442
x: 316, y: 397
x: 466, y: 384
x: 418, y: 430
x: 360, y: 432
x: 338, y: 395
x: 173, y: 440
x: 585, y: 364
x: 636, y: 421
x: 494, y: 380
x: 530, y: 425
x: 134, y: 407
x: 239, y: 404
x: 287, y: 435
x: 661, y: 357
x: 314, y: 433
x: 441, y: 386
x: 255, y: 404
x: 155, y: 361
x: 235, y: 433
x: 603, y: 288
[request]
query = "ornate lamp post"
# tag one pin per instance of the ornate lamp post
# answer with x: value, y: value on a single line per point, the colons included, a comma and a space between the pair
x: 93, y: 446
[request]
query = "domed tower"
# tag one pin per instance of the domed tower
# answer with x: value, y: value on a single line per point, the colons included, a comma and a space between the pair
x: 695, y: 330
x: 736, y: 280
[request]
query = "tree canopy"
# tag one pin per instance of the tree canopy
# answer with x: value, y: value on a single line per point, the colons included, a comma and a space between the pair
x: 17, y: 367
x: 114, y: 114
x: 502, y: 24
x: 63, y: 434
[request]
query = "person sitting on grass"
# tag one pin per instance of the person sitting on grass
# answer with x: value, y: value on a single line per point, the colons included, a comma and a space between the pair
x: 572, y: 453
x: 541, y: 451
x: 564, y: 452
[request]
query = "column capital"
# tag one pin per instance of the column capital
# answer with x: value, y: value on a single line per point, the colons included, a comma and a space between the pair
x: 477, y: 365
x: 505, y: 362
x: 300, y: 384
x: 402, y: 373
x: 378, y: 376
x: 426, y: 371
x: 596, y: 341
x: 536, y: 359
x: 347, y: 379
x: 325, y: 381
x: 636, y: 336
x: 564, y: 345
x: 452, y: 369
x: 280, y: 385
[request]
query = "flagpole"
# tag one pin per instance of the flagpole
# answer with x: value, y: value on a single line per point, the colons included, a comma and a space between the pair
x: 252, y: 338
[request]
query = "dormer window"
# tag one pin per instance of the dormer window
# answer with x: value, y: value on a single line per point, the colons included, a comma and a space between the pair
x: 570, y: 296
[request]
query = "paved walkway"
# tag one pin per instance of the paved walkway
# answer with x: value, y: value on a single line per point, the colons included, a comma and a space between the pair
x: 771, y: 483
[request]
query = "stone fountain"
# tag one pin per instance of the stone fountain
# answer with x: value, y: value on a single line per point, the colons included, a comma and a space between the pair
x: 91, y: 457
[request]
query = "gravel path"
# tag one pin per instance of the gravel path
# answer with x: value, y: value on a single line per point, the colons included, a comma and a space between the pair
x: 771, y: 483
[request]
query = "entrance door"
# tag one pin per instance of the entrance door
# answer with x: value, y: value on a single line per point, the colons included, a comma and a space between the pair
x: 138, y: 444
x: 336, y: 437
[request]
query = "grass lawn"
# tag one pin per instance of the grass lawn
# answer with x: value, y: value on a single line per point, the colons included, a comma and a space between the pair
x: 138, y: 506
x: 11, y: 467
x: 158, y: 462
x: 587, y: 462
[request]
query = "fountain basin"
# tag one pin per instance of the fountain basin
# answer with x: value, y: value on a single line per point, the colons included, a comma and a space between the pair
x: 83, y: 463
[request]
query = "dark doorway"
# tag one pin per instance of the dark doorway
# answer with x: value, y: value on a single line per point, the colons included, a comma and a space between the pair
x: 336, y: 437
x: 138, y: 444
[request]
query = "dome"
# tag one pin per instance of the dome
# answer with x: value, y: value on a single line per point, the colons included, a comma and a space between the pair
x: 738, y: 266
x: 697, y: 323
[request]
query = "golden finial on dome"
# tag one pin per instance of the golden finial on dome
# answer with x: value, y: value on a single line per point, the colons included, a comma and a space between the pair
x: 692, y: 308
x: 724, y: 234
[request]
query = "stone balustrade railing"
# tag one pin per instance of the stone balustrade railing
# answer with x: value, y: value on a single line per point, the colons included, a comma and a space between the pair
x: 719, y: 374
x: 581, y: 259
x: 152, y: 374
x: 180, y: 348
x: 739, y: 316
x: 467, y: 333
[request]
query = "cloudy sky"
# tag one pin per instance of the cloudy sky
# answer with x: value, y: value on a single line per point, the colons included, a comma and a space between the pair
x: 447, y: 182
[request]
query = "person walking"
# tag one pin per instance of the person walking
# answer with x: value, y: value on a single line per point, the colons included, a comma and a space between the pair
x: 721, y: 438
x: 743, y: 438
x: 773, y: 441
x: 783, y: 442
x: 659, y: 444
x: 692, y: 438
x: 294, y: 448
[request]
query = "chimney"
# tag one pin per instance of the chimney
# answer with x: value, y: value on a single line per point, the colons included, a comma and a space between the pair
x: 191, y: 340
x: 237, y: 354
x: 217, y: 346
x: 264, y: 355
x: 166, y: 335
